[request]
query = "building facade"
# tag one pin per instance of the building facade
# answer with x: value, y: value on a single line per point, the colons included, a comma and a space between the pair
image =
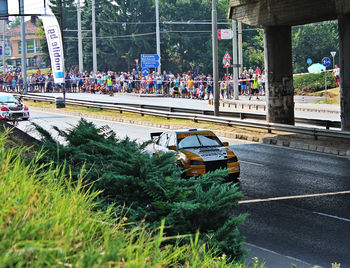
x: 33, y: 43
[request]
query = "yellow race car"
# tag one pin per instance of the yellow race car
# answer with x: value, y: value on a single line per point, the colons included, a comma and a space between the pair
x: 198, y: 151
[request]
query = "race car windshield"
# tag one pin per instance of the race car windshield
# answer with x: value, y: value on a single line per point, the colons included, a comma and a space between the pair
x: 198, y: 141
x: 8, y: 99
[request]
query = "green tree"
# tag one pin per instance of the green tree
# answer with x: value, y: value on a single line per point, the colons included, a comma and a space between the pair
x: 15, y: 22
x: 314, y: 41
x: 253, y: 47
x: 185, y: 46
x: 124, y: 30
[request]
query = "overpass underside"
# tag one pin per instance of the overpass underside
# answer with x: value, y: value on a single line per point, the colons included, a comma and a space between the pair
x: 277, y: 18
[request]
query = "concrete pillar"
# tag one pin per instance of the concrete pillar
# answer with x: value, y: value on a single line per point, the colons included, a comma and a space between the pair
x: 344, y: 57
x: 279, y: 74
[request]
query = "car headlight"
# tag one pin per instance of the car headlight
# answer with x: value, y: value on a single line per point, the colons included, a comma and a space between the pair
x: 232, y: 160
x: 196, y: 163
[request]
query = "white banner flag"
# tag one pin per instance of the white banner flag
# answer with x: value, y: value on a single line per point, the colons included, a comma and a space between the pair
x: 55, y: 45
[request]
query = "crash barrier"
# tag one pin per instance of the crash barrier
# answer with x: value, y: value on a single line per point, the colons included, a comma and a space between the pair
x: 60, y: 103
x: 230, y: 118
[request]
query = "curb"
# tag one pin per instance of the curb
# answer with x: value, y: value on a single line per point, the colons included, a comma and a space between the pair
x: 262, y: 107
x: 306, y: 147
x: 230, y: 135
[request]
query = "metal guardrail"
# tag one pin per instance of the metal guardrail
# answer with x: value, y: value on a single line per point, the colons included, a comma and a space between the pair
x: 225, y: 117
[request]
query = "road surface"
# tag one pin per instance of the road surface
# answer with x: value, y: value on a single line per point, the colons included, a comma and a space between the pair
x: 309, y: 221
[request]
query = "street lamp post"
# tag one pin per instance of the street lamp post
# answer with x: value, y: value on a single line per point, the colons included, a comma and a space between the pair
x: 215, y: 59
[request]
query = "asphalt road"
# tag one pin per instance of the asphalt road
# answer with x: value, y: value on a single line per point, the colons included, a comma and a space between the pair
x: 294, y: 228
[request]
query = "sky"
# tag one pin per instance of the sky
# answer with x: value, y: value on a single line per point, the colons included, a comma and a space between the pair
x: 30, y: 6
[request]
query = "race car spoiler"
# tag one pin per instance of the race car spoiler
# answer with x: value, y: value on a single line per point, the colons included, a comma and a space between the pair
x: 155, y: 134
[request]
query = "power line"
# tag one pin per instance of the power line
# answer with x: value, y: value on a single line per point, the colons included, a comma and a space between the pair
x: 115, y: 36
x: 126, y: 22
x: 137, y: 35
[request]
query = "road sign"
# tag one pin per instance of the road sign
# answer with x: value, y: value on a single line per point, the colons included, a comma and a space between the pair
x: 225, y: 60
x: 0, y: 50
x: 7, y: 51
x: 227, y: 56
x: 138, y: 67
x: 227, y: 64
x: 333, y: 53
x: 225, y: 34
x: 326, y: 61
x: 145, y: 71
x: 309, y: 61
x: 149, y: 61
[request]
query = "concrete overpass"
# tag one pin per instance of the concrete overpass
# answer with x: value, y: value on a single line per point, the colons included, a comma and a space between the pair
x: 277, y: 17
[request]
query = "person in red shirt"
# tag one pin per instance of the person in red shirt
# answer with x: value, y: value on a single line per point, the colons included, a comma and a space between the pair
x: 258, y: 70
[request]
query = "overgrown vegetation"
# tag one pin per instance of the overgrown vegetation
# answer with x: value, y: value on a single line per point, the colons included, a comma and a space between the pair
x: 151, y: 187
x: 312, y: 82
x: 47, y: 220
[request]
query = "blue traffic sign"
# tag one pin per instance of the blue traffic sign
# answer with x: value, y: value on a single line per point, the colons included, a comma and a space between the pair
x: 138, y: 67
x: 326, y: 61
x: 145, y: 71
x: 149, y: 60
x: 0, y: 50
x: 309, y: 61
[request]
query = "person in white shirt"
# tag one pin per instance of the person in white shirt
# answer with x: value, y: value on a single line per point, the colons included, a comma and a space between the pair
x: 336, y: 75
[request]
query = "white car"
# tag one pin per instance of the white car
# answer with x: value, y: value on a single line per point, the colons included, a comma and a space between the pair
x: 12, y: 108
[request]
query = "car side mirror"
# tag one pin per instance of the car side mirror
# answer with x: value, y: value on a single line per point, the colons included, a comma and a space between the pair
x: 172, y: 147
x: 225, y: 143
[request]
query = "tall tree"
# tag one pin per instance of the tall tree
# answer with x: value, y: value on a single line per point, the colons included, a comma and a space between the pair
x: 189, y: 45
x: 15, y: 22
x: 314, y: 41
x: 124, y: 31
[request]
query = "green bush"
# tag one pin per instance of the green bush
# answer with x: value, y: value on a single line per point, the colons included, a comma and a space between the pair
x: 312, y: 82
x: 46, y: 221
x: 150, y: 186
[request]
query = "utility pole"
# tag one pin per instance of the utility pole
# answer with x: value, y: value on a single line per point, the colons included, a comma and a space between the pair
x: 80, y: 41
x: 235, y: 60
x: 215, y: 59
x: 240, y: 49
x: 23, y: 47
x: 3, y: 45
x: 158, y: 36
x: 62, y: 35
x: 94, y: 57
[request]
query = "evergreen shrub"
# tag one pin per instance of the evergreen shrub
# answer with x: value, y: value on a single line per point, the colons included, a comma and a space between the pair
x: 312, y: 82
x: 46, y: 221
x: 151, y: 187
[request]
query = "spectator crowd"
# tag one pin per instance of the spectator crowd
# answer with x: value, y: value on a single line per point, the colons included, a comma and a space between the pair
x: 185, y: 85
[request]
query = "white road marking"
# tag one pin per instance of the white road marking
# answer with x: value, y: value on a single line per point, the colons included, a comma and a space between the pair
x: 251, y: 163
x: 331, y: 216
x: 270, y: 252
x: 291, y: 197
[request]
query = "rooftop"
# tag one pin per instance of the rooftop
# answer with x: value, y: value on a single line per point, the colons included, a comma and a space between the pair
x: 31, y: 28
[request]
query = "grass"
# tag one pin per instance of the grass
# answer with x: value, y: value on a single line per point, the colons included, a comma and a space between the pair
x: 46, y: 221
x: 333, y: 96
